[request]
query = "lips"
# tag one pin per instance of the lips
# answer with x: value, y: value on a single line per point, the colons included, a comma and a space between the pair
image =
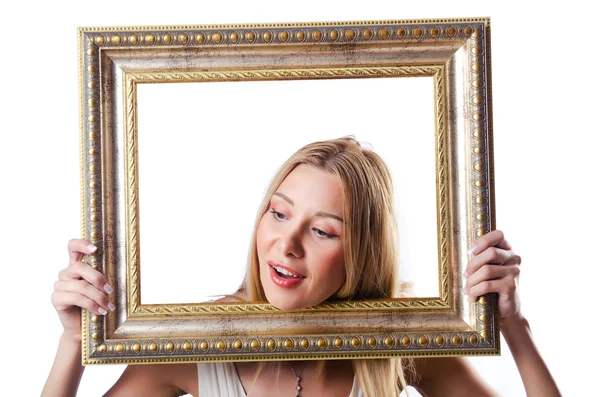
x: 283, y: 280
x: 288, y: 269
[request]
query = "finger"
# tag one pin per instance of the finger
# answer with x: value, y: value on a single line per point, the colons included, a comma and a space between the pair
x: 86, y: 289
x: 80, y: 270
x: 492, y: 239
x: 503, y: 286
x: 492, y: 272
x: 77, y: 248
x: 63, y: 300
x: 492, y: 255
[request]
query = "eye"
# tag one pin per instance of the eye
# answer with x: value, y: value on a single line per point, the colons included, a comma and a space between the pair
x: 321, y: 233
x: 277, y: 215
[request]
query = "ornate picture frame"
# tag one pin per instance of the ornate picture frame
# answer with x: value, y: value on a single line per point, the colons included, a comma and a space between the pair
x: 113, y: 62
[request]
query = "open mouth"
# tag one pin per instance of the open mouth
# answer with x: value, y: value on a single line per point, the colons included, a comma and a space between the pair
x: 284, y: 271
x: 281, y: 272
x: 283, y: 276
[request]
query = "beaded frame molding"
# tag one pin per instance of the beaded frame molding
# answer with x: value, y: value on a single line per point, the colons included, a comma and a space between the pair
x: 113, y: 61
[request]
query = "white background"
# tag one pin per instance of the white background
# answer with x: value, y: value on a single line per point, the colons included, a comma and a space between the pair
x: 546, y: 139
x: 207, y: 152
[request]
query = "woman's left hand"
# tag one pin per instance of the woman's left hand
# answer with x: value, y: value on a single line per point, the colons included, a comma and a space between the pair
x: 494, y: 267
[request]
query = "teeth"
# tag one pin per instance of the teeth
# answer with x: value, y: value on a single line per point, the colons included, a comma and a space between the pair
x: 284, y: 272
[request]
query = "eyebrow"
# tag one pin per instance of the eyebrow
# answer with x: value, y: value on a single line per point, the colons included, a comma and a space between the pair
x: 319, y: 213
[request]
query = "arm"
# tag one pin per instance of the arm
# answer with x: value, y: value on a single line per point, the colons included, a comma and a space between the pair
x: 495, y: 268
x: 535, y: 374
x: 454, y: 376
x: 80, y: 286
x: 67, y: 361
x: 143, y: 380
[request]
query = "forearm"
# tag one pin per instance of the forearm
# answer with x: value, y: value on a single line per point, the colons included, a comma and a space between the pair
x: 67, y: 370
x: 535, y: 374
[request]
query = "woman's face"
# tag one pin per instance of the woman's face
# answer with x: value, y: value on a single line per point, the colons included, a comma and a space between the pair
x: 300, y: 242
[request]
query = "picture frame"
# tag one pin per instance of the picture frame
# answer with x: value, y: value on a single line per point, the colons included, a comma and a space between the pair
x: 113, y: 64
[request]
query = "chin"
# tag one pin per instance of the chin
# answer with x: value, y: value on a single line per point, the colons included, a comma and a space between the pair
x: 285, y: 304
x: 288, y: 303
x: 285, y: 307
x: 296, y: 298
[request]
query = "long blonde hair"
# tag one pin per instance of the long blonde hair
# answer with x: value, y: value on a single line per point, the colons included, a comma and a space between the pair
x: 370, y: 240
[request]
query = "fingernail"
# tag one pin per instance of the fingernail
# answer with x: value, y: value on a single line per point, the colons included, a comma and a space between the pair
x: 108, y: 289
x: 111, y: 306
x: 463, y: 290
x: 472, y: 250
x: 92, y: 248
x: 102, y: 311
x: 465, y: 274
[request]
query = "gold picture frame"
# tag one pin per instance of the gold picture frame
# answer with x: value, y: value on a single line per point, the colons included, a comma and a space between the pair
x: 113, y: 62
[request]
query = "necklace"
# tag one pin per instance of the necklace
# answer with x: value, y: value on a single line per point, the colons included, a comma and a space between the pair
x: 298, y: 378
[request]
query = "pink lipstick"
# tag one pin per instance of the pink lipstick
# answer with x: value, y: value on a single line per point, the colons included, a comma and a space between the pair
x: 284, y: 280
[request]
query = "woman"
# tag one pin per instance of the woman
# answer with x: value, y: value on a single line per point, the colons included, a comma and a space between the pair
x: 325, y: 231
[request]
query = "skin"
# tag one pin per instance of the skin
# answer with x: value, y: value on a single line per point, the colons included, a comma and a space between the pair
x: 295, y: 235
x: 299, y: 232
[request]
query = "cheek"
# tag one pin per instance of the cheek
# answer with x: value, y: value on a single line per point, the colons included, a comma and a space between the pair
x: 262, y: 236
x: 334, y: 264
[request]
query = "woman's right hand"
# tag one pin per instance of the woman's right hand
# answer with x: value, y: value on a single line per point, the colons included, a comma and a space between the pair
x: 79, y: 286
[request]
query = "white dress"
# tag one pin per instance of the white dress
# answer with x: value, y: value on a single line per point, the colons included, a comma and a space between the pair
x: 221, y: 380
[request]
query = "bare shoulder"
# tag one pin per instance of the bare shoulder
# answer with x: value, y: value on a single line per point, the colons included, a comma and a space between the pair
x: 443, y: 376
x: 156, y: 380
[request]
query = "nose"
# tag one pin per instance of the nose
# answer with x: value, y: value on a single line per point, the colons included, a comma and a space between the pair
x: 290, y: 242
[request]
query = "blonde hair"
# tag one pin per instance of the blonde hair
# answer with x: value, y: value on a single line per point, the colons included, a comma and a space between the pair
x: 370, y: 240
